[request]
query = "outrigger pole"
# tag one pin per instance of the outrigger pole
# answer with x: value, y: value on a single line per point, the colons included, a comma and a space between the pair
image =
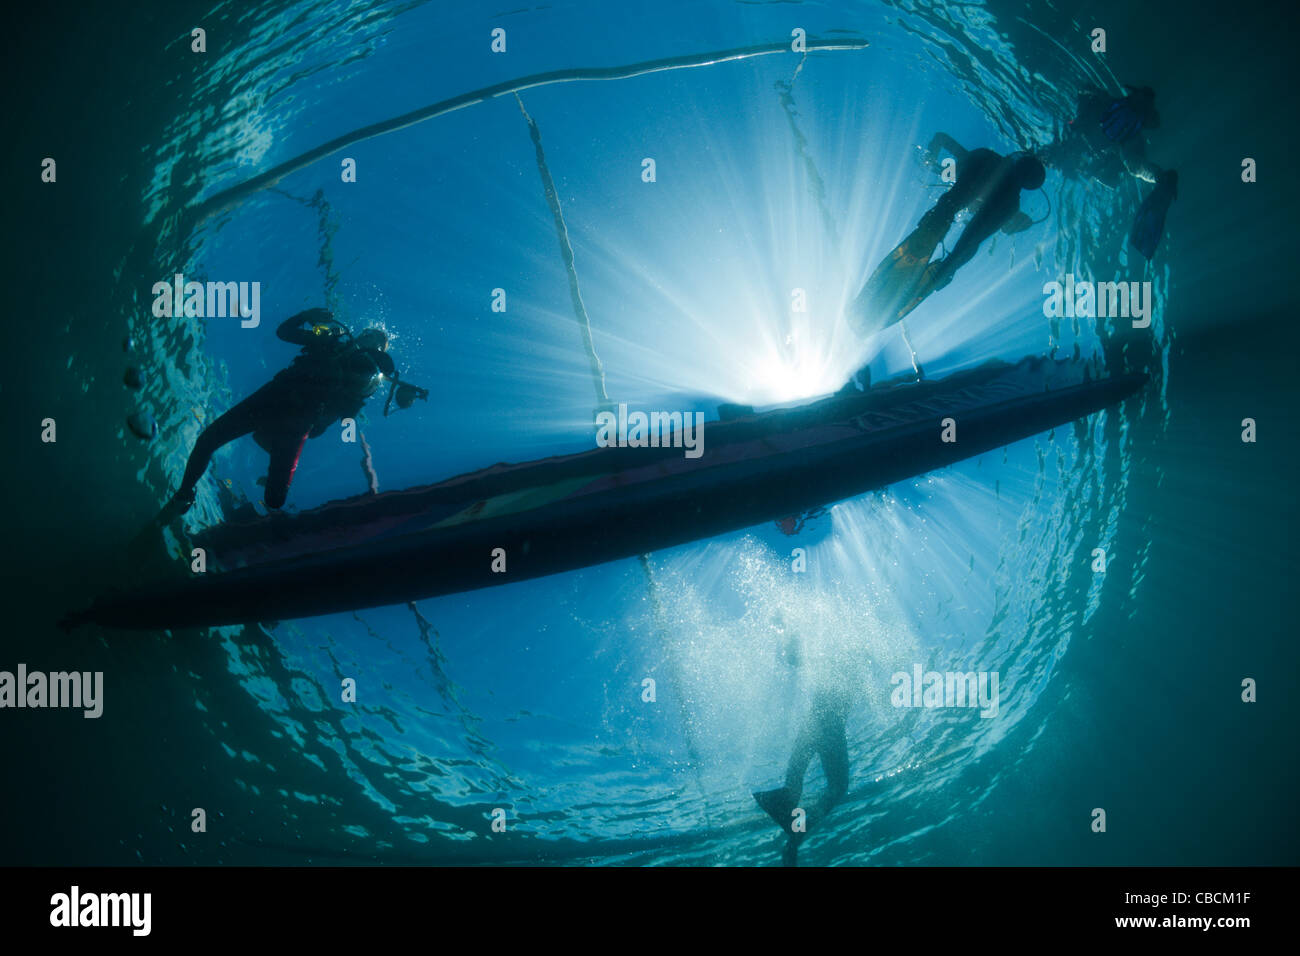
x: 227, y: 198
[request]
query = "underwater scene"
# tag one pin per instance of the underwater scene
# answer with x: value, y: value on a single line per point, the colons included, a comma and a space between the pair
x: 694, y: 434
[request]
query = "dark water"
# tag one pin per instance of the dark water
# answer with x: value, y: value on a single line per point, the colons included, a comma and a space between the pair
x: 1120, y: 692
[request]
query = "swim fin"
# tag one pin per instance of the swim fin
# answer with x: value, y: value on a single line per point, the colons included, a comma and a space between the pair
x: 778, y: 804
x: 890, y: 293
x: 1121, y: 121
x: 932, y: 279
x: 1149, y: 223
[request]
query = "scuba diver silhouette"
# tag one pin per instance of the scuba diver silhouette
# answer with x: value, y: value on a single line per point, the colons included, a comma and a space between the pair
x: 987, y: 183
x: 1105, y: 141
x: 822, y: 734
x: 835, y: 682
x: 329, y: 380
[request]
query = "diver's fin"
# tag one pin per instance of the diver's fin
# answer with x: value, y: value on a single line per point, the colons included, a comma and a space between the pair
x: 778, y: 804
x: 1119, y: 123
x: 923, y: 286
x: 886, y: 296
x: 1149, y: 223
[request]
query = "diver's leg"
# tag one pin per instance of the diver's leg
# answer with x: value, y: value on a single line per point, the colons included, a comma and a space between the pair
x: 936, y: 222
x: 805, y: 747
x: 237, y: 422
x: 832, y: 746
x: 780, y: 803
x: 286, y: 447
x: 833, y: 749
x: 963, y: 252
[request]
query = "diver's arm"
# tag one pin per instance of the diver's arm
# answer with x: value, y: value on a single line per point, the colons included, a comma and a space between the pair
x: 369, y: 370
x: 973, y: 171
x: 298, y: 329
x: 942, y: 141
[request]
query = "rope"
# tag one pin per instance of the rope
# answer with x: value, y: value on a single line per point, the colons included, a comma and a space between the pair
x: 566, y: 252
x: 368, y: 465
x: 816, y: 186
x: 602, y: 397
x: 229, y: 197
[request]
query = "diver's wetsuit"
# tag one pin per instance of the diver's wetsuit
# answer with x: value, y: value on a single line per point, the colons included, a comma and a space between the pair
x: 328, y: 381
x: 822, y: 735
x: 985, y: 180
x: 1106, y: 138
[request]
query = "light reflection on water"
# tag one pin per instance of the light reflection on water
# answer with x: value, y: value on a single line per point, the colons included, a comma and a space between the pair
x: 528, y: 698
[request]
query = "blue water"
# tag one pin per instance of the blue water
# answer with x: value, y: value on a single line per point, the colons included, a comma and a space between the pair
x: 1118, y: 690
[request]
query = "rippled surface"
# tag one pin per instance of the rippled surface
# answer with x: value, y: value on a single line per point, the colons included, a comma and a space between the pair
x: 772, y: 174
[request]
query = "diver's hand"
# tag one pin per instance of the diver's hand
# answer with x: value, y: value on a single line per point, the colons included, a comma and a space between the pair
x: 314, y: 317
x: 930, y: 153
x: 301, y: 329
x: 1142, y: 169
